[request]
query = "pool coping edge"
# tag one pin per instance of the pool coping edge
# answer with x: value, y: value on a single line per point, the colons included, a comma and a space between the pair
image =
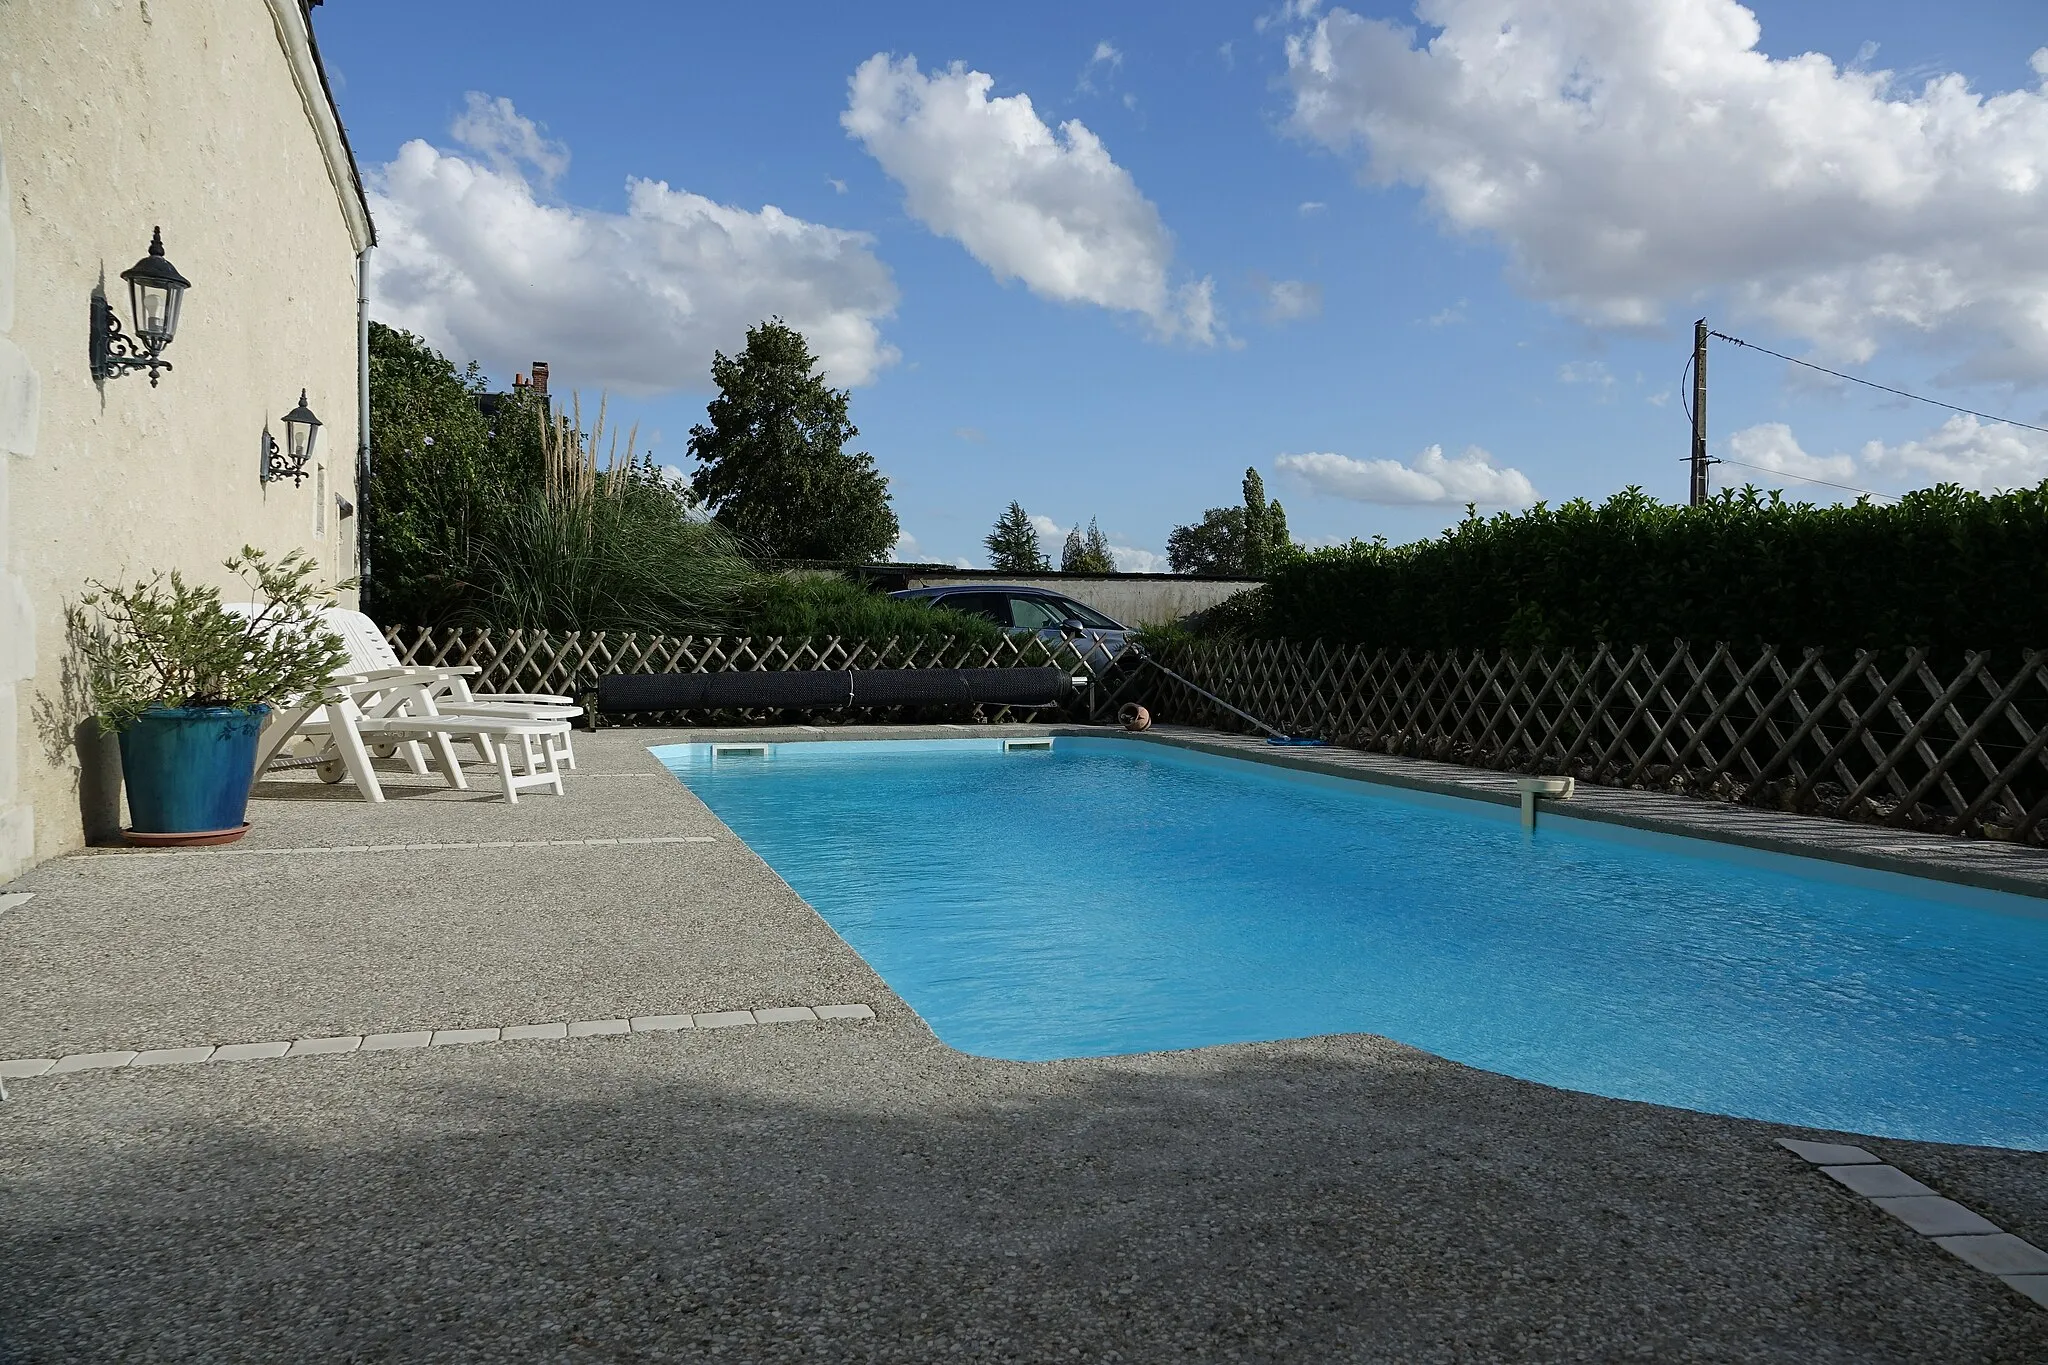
x: 1674, y: 822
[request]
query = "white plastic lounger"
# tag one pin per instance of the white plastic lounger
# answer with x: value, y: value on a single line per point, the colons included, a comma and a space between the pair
x: 398, y: 707
x: 371, y: 656
x: 354, y: 713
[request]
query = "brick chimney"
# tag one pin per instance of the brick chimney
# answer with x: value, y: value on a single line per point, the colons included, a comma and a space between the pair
x: 540, y: 377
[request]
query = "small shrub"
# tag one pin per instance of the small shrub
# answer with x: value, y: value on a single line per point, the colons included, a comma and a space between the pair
x: 816, y: 606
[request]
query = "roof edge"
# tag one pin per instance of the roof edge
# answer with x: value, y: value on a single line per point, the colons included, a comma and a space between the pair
x: 295, y: 36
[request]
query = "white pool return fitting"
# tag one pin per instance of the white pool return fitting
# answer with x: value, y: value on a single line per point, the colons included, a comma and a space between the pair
x: 1557, y: 788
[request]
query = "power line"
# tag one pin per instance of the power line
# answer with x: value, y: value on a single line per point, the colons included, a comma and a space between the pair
x: 1779, y: 473
x: 1872, y: 384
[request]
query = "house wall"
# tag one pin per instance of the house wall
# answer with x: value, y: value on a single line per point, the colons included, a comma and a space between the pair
x: 117, y: 115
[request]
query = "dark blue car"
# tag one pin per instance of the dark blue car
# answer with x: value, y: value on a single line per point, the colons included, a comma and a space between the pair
x: 1045, y: 614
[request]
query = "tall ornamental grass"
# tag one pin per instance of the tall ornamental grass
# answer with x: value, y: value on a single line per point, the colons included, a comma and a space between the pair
x: 612, y: 548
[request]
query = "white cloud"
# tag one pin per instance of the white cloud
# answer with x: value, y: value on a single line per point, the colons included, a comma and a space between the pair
x: 1052, y: 536
x: 1427, y: 480
x: 1592, y: 372
x: 1288, y: 300
x: 506, y: 139
x: 1106, y: 55
x: 1309, y: 206
x: 1985, y: 456
x: 838, y: 185
x: 636, y: 301
x: 908, y: 551
x: 1131, y: 559
x: 1631, y: 154
x: 1447, y: 317
x: 1770, y: 446
x: 1050, y: 209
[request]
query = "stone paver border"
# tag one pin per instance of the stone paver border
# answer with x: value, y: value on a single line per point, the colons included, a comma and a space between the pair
x: 396, y: 848
x: 1960, y: 1231
x: 27, y: 1068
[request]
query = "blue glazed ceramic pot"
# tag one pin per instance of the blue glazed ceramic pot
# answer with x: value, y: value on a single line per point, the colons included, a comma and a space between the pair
x: 188, y: 769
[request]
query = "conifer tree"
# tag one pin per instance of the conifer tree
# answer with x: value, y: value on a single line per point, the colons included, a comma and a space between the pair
x: 773, y: 466
x: 1087, y: 553
x: 1013, y: 544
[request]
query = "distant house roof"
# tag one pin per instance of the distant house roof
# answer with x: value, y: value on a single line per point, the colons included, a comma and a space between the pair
x: 293, y: 20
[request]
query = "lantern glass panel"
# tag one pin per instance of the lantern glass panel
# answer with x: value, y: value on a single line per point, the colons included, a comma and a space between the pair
x: 156, y: 310
x: 299, y: 435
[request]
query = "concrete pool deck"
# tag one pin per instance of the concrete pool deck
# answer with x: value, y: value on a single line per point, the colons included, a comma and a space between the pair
x: 845, y: 1189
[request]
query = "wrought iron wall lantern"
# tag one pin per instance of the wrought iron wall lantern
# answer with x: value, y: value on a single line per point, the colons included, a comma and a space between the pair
x: 301, y: 432
x: 155, y: 293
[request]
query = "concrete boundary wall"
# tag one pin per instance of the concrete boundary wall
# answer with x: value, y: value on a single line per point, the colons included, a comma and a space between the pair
x: 1150, y: 599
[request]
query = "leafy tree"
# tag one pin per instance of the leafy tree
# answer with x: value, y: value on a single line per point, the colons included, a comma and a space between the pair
x: 1266, y: 544
x: 1087, y: 553
x: 1249, y: 540
x: 436, y: 482
x: 1013, y: 544
x: 772, y: 460
x: 1213, y: 545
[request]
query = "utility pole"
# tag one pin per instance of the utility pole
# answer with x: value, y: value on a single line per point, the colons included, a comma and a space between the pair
x: 1699, y: 413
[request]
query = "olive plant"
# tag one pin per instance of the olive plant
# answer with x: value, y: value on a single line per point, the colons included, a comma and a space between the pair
x: 164, y: 643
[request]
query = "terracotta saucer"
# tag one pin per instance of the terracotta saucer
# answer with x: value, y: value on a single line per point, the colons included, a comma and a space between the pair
x: 196, y: 838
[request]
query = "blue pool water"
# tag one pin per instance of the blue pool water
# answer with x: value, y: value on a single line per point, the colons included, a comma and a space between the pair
x: 1112, y: 897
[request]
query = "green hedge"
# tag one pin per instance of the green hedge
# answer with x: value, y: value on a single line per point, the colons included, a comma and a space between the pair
x: 820, y: 606
x: 1946, y: 568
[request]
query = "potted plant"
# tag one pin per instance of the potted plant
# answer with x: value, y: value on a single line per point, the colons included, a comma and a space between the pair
x: 186, y: 685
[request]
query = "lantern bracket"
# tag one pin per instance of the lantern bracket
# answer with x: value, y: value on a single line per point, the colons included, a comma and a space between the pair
x: 278, y: 464
x: 114, y: 352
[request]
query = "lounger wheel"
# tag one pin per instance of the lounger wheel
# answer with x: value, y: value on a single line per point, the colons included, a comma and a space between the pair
x: 383, y: 750
x: 332, y: 770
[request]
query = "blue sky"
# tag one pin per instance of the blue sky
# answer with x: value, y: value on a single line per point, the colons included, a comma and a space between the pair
x: 1396, y: 262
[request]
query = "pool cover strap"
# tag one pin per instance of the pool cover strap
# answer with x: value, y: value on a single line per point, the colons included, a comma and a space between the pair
x: 807, y: 687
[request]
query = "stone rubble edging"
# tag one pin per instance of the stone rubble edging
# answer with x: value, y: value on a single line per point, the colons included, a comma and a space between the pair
x: 26, y: 1068
x: 1960, y: 1231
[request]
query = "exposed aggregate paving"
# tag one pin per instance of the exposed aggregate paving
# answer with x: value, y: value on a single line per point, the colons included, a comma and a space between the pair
x: 835, y: 1191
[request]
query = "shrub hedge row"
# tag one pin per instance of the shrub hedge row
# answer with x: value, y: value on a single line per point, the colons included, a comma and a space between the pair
x: 1945, y: 568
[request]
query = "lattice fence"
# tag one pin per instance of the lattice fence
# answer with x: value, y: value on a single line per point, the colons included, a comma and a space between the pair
x: 1877, y: 738
x: 569, y: 663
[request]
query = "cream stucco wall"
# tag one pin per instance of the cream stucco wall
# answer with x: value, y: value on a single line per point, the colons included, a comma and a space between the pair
x: 117, y: 115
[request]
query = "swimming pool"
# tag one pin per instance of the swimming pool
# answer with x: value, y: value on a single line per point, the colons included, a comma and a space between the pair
x: 1110, y: 896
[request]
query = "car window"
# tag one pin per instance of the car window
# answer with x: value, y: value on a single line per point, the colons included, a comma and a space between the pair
x: 1088, y: 616
x: 1036, y: 613
x: 992, y: 606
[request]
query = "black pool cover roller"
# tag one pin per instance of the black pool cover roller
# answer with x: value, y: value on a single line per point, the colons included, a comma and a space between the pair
x: 799, y: 688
